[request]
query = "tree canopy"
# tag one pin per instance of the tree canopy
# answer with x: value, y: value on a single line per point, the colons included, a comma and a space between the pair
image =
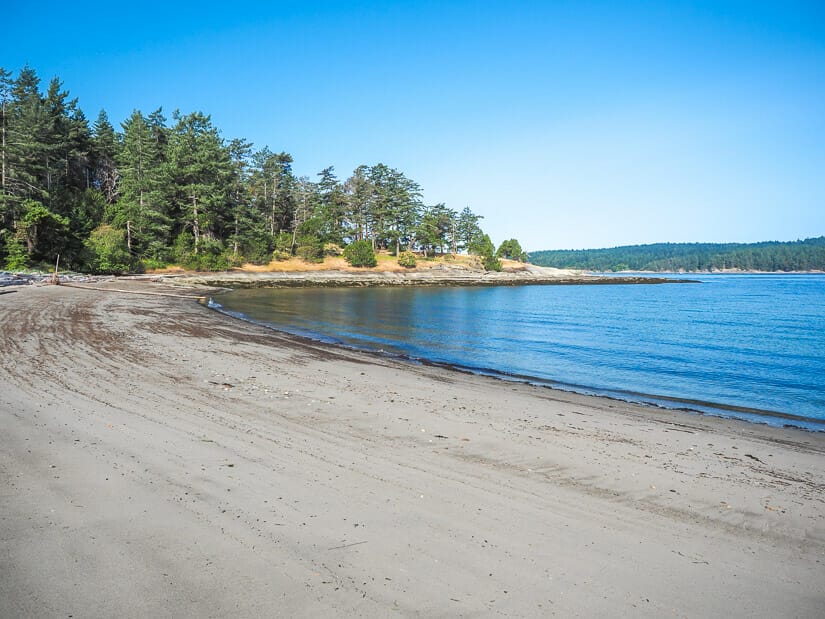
x: 154, y: 192
x: 807, y: 255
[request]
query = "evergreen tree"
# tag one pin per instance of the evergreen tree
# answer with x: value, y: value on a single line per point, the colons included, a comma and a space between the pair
x: 105, y: 153
x: 247, y: 230
x: 42, y: 232
x: 483, y: 247
x: 467, y: 228
x: 395, y: 207
x: 332, y: 207
x: 155, y: 192
x: 68, y: 171
x: 307, y: 222
x: 5, y: 101
x: 511, y: 249
x: 358, y: 191
x: 141, y: 208
x: 26, y: 144
x: 273, y: 190
x: 436, y: 229
x: 201, y: 170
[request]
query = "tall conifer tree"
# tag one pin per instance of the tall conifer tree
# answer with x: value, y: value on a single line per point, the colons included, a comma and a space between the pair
x: 141, y: 209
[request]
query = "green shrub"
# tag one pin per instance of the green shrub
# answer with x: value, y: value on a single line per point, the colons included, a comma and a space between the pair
x: 483, y: 247
x: 281, y: 255
x: 283, y: 242
x: 150, y: 264
x: 407, y: 260
x: 108, y: 252
x: 16, y: 257
x: 256, y: 249
x: 234, y: 260
x: 159, y: 252
x: 360, y: 254
x: 310, y: 249
x: 210, y: 256
x: 491, y: 263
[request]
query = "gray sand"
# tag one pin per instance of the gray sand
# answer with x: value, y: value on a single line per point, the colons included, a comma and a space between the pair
x: 158, y: 459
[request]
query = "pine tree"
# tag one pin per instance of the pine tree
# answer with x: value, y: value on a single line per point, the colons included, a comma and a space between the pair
x: 105, y: 152
x: 437, y: 228
x: 332, y: 206
x: 201, y: 169
x: 26, y: 144
x: 273, y: 188
x: 358, y: 191
x: 467, y: 228
x: 5, y: 101
x: 141, y: 208
x: 395, y: 206
x: 247, y: 233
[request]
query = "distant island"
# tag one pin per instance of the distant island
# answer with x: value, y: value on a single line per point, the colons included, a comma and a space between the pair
x: 807, y: 255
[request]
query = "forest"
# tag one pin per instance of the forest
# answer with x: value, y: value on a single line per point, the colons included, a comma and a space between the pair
x: 158, y: 192
x: 805, y: 255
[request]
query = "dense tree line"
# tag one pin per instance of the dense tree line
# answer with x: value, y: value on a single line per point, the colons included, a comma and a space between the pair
x: 160, y: 191
x: 807, y: 255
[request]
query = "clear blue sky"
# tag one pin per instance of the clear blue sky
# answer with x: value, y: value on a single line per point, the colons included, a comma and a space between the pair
x: 565, y: 124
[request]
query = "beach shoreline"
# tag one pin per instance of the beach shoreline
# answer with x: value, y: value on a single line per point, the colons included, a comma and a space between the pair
x: 777, y: 419
x: 159, y: 457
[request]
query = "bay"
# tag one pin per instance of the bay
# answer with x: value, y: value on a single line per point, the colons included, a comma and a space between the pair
x: 743, y: 345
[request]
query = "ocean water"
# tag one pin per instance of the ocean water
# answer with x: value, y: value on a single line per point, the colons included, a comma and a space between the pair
x: 747, y: 346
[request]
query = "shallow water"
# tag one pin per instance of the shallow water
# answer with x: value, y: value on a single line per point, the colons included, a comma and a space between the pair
x: 749, y: 346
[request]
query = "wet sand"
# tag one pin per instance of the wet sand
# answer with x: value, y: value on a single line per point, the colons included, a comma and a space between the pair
x: 160, y: 459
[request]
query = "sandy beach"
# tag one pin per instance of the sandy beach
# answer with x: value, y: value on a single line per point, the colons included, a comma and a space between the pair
x: 160, y: 459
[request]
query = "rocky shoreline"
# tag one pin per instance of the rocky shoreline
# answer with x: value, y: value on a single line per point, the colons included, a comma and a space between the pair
x: 8, y: 279
x: 438, y: 276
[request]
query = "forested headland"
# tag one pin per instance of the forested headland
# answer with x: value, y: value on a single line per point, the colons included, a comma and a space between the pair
x: 158, y: 191
x: 806, y: 255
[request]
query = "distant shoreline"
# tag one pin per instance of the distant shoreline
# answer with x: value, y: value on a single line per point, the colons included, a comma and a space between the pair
x: 768, y: 256
x: 715, y: 272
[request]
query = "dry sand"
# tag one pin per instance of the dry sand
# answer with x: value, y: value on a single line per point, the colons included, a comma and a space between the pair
x: 159, y: 459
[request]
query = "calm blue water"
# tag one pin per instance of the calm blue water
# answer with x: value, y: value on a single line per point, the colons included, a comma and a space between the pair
x: 735, y: 345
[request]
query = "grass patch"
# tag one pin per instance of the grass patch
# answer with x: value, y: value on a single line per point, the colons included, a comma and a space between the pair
x: 387, y: 263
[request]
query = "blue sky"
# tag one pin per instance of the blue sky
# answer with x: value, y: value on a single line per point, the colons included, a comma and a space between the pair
x: 565, y: 124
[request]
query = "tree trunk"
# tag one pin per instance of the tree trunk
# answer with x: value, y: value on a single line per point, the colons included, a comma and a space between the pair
x: 271, y: 211
x: 3, y: 132
x: 30, y: 238
x: 455, y: 247
x: 235, y: 243
x: 196, y: 230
